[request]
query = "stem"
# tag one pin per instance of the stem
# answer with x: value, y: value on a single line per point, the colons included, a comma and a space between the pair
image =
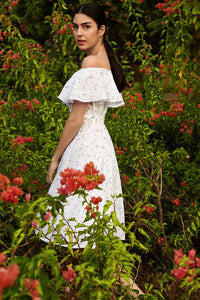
x: 183, y: 227
x: 160, y: 204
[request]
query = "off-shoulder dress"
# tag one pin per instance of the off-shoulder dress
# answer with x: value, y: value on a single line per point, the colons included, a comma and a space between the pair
x: 97, y: 87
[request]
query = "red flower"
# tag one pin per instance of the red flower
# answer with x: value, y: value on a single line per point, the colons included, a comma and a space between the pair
x: 191, y: 254
x: 93, y: 215
x: 31, y: 285
x: 88, y: 208
x: 3, y: 181
x: 3, y: 257
x: 28, y: 197
x: 176, y: 202
x: 18, y: 181
x: 180, y: 272
x: 69, y: 275
x: 183, y: 183
x: 149, y: 208
x: 178, y: 254
x: 11, y: 194
x: 35, y: 224
x: 96, y: 200
x: 47, y: 216
x: 8, y: 276
x: 75, y: 179
x: 198, y: 262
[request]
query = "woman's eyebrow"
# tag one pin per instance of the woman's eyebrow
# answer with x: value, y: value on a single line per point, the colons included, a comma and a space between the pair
x: 82, y: 23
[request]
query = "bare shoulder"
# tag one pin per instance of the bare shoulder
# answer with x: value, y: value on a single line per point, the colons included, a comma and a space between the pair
x: 92, y: 61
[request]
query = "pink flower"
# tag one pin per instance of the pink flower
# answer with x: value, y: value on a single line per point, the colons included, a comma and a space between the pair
x: 93, y: 215
x: 191, y: 254
x: 88, y: 208
x: 3, y: 257
x: 180, y: 273
x: 8, y: 276
x: 176, y: 202
x: 198, y: 262
x: 28, y: 197
x: 178, y: 254
x: 96, y: 200
x: 31, y: 285
x: 69, y: 275
x: 149, y: 208
x: 35, y: 224
x: 47, y: 216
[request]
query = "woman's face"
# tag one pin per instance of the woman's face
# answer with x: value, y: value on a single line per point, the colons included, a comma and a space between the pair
x: 86, y: 33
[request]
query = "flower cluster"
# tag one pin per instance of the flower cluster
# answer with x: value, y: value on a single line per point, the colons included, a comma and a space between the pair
x: 149, y: 209
x: 125, y: 178
x: 10, y: 58
x: 119, y: 150
x: 58, y: 20
x: 24, y: 104
x: 31, y: 286
x: 12, y: 4
x: 69, y: 274
x: 42, y: 87
x: 176, y: 202
x: 4, y: 181
x: 133, y: 99
x: 72, y: 180
x: 10, y: 193
x: 145, y: 70
x: 19, y: 170
x: 168, y: 7
x: 94, y: 201
x: 20, y: 140
x: 7, y: 275
x: 162, y: 241
x: 187, y: 265
x: 186, y: 126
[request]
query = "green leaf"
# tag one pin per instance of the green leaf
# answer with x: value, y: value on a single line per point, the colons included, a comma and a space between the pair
x: 196, y: 9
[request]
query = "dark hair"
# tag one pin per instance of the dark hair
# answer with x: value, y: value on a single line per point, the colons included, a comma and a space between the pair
x: 97, y: 13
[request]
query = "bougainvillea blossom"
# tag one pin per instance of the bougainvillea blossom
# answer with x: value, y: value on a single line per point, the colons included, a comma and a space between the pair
x: 31, y: 285
x: 8, y: 276
x: 69, y: 274
x: 72, y: 180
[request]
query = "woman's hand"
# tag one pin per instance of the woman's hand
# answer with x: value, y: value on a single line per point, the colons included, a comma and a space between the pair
x: 51, y: 170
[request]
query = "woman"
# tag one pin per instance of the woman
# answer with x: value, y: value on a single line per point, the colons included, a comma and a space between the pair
x: 88, y: 93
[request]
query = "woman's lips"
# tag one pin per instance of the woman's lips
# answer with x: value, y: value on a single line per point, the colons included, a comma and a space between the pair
x: 80, y: 42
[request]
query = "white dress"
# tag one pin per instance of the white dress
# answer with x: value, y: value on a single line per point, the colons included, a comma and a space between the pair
x: 97, y: 87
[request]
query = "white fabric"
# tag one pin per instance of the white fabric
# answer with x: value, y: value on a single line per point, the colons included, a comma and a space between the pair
x: 91, y: 85
x: 92, y: 143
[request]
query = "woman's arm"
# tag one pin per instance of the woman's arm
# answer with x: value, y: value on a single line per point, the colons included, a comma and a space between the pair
x: 72, y: 126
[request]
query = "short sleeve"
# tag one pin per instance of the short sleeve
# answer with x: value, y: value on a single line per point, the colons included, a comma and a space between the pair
x: 91, y: 85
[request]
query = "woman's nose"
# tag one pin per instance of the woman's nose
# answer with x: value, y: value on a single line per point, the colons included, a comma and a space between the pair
x: 79, y: 31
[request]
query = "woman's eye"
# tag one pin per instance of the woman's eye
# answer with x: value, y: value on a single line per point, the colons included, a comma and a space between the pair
x: 87, y: 26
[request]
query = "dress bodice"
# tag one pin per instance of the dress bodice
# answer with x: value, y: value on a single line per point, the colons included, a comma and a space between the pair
x: 96, y: 110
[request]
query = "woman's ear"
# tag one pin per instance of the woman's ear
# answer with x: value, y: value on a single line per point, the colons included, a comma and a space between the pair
x: 102, y: 30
